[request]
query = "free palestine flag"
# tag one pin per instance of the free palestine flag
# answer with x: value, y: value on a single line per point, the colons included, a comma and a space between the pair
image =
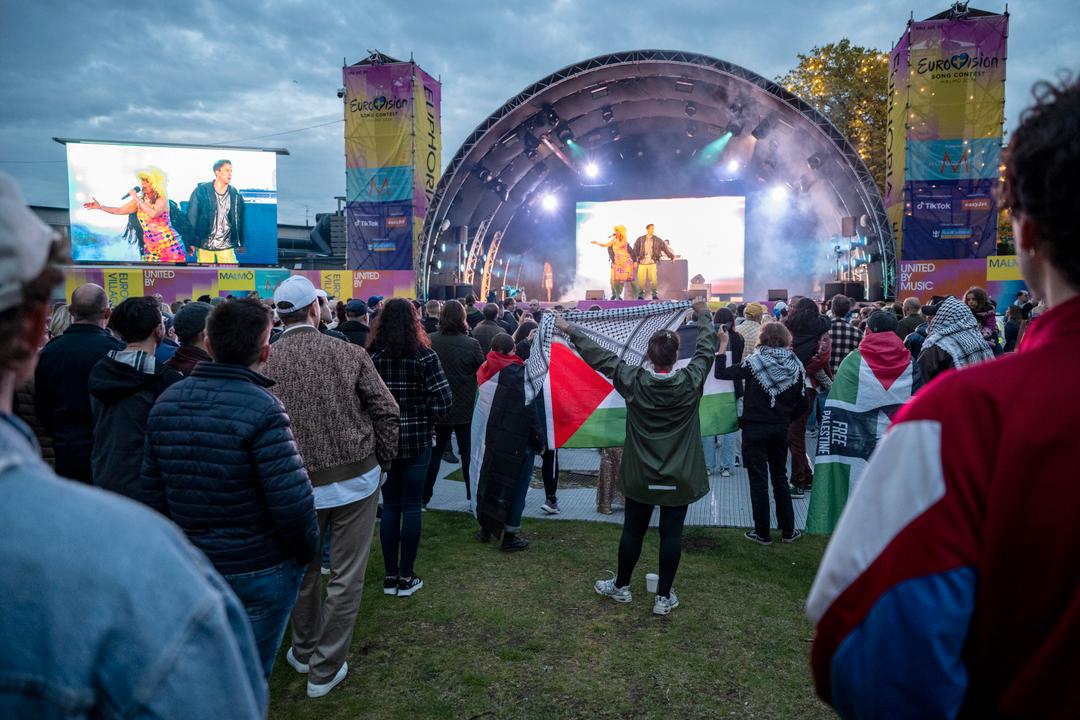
x: 581, y: 407
x: 868, y: 390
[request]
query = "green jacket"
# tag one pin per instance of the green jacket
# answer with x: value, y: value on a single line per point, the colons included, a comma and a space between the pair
x: 663, y: 460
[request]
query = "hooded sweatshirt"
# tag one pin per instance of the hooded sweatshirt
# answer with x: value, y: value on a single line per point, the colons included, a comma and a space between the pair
x: 123, y: 387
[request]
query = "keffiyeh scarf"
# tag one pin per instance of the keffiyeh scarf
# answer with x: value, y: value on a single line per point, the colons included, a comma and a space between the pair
x: 955, y: 330
x: 776, y: 369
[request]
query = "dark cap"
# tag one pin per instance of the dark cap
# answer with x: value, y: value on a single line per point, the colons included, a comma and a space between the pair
x: 190, y: 320
x: 374, y: 300
x: 882, y: 321
x: 356, y: 307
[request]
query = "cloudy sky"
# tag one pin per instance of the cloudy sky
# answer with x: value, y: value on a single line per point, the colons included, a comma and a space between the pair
x: 247, y: 73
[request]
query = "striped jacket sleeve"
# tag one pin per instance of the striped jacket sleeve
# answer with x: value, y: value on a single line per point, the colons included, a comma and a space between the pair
x: 895, y: 593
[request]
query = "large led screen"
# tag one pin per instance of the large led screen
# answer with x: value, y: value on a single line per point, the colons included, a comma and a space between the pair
x: 709, y: 233
x: 169, y: 205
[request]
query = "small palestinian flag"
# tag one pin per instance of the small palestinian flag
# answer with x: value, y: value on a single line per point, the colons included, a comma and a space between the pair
x: 870, y: 386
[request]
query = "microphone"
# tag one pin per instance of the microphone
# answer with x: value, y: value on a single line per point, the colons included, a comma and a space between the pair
x: 137, y: 188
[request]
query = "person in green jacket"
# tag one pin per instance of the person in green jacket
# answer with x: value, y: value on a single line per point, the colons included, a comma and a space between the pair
x: 663, y: 460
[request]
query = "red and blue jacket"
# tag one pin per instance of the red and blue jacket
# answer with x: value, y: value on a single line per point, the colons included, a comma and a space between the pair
x: 951, y: 587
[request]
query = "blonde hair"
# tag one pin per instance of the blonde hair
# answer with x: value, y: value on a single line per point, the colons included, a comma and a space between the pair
x: 620, y: 230
x: 156, y: 178
x: 60, y: 321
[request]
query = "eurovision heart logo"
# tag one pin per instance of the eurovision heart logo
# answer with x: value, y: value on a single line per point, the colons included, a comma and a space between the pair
x: 380, y: 102
x: 959, y: 61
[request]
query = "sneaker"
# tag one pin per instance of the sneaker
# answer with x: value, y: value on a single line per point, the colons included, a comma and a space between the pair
x: 450, y: 457
x: 551, y: 507
x: 796, y: 491
x: 324, y: 570
x: 290, y: 657
x: 725, y: 472
x: 315, y: 690
x: 390, y: 585
x: 664, y: 605
x: 607, y: 589
x: 512, y: 542
x: 754, y: 537
x: 795, y: 535
x: 408, y: 586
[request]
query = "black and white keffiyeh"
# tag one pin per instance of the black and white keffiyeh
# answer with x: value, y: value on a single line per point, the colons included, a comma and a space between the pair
x: 776, y: 369
x: 955, y: 330
x: 624, y: 331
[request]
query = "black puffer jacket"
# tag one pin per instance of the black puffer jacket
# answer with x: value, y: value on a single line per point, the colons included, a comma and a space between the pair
x: 121, y: 397
x: 220, y: 460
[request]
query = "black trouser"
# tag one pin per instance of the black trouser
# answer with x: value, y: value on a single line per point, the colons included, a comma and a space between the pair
x: 635, y: 524
x: 442, y: 439
x: 550, y: 473
x: 765, y: 448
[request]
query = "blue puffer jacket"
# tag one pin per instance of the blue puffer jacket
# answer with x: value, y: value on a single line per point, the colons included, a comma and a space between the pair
x: 220, y: 460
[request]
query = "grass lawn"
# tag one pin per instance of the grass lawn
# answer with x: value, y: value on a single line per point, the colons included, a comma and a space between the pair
x: 523, y: 635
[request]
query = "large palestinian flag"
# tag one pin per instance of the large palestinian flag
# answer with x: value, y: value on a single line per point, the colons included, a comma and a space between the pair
x: 870, y: 386
x: 581, y: 407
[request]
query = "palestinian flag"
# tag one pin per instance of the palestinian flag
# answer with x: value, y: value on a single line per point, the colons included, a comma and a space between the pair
x: 582, y: 408
x: 870, y: 386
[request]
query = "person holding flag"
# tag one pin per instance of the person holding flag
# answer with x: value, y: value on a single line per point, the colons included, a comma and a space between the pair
x: 663, y: 460
x: 871, y: 384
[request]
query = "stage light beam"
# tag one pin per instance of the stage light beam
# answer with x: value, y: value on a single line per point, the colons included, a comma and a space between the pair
x: 592, y: 170
x: 733, y: 166
x: 549, y: 202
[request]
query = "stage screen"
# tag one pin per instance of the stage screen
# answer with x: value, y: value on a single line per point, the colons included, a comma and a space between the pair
x: 199, y: 222
x: 709, y: 233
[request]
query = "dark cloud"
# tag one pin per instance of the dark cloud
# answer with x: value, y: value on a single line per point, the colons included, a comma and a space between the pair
x: 202, y: 72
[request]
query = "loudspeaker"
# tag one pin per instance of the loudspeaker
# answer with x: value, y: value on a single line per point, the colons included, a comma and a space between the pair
x: 877, y: 292
x: 832, y: 289
x: 461, y: 291
x: 778, y: 294
x: 847, y: 227
x: 594, y: 294
x: 855, y: 290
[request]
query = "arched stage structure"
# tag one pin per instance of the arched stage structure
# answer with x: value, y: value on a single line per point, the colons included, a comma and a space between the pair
x: 655, y: 124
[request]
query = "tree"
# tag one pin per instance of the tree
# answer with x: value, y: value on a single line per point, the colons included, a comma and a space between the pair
x: 849, y: 85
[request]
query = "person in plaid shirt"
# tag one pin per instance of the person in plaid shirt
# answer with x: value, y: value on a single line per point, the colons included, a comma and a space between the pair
x: 404, y: 359
x: 845, y: 337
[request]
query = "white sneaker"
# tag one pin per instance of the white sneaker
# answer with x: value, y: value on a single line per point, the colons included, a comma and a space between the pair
x: 316, y: 691
x: 290, y: 657
x: 618, y: 594
x: 725, y: 473
x: 664, y: 605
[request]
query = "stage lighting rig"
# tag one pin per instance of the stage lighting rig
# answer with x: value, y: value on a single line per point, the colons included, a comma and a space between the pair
x: 613, y: 132
x: 550, y: 115
x: 483, y: 174
x: 531, y: 145
x: 564, y: 133
x: 607, y: 113
x: 592, y: 170
x: 764, y: 127
x: 691, y: 108
x: 735, y: 128
x: 733, y: 166
x: 691, y: 129
x: 549, y: 202
x: 815, y: 161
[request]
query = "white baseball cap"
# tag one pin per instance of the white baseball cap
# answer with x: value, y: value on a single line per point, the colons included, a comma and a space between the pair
x: 294, y: 293
x: 24, y: 244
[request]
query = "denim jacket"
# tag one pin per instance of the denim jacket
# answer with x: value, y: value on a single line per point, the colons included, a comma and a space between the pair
x: 107, y: 610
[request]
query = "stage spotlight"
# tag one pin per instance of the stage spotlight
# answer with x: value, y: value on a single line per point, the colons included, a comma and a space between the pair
x: 482, y: 174
x: 684, y: 86
x: 607, y: 113
x: 613, y: 132
x: 549, y: 202
x: 733, y: 166
x: 500, y: 188
x: 531, y: 143
x: 691, y: 108
x: 778, y: 193
x: 734, y: 128
x: 691, y: 129
x: 592, y: 170
x: 550, y: 115
x: 565, y: 134
x: 815, y: 161
x: 763, y: 127
x: 438, y: 264
x: 737, y: 106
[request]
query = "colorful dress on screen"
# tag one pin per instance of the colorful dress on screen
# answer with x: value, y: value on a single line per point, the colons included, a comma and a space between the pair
x: 160, y: 242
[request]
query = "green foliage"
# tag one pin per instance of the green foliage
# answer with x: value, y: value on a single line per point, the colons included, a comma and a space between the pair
x: 523, y: 635
x: 849, y: 85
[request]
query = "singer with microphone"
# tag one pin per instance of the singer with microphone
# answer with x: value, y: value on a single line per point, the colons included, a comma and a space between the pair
x: 622, y: 261
x: 147, y: 208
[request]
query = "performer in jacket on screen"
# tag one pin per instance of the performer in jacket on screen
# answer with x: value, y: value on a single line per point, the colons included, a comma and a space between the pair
x: 216, y: 214
x: 647, y: 252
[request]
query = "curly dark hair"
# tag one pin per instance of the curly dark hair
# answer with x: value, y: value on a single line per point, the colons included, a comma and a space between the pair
x: 1042, y: 171
x: 397, y: 331
x: 804, y: 317
x: 35, y: 297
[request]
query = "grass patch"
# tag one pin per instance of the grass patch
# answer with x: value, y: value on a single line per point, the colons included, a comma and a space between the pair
x: 494, y: 635
x: 567, y: 479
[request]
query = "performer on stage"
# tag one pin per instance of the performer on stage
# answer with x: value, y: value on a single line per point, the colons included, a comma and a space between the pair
x: 622, y: 264
x: 647, y: 251
x: 549, y: 280
x: 148, y: 219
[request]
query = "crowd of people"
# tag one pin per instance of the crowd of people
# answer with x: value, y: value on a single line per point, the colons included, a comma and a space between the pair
x: 229, y: 473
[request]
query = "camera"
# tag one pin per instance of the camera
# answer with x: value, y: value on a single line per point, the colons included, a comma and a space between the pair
x: 341, y: 92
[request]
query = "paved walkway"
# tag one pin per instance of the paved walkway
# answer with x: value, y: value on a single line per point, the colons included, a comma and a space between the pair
x: 727, y: 504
